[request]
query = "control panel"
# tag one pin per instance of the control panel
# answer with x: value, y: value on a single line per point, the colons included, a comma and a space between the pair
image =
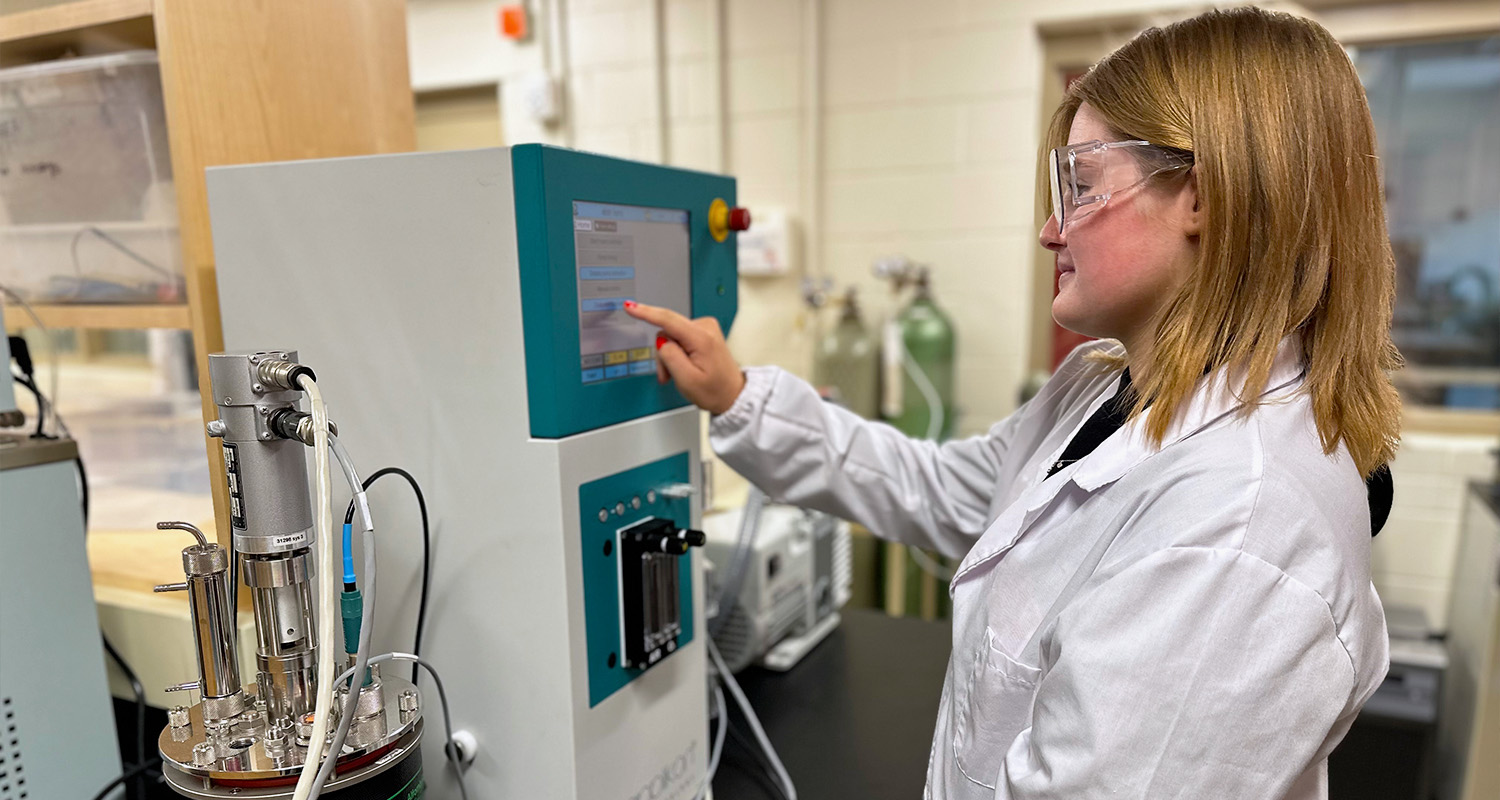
x: 637, y: 571
x: 593, y: 232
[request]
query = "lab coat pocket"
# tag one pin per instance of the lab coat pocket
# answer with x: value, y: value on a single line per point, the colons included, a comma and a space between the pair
x: 996, y: 708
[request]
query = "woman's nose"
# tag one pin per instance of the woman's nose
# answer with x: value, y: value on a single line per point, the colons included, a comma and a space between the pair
x: 1051, y: 236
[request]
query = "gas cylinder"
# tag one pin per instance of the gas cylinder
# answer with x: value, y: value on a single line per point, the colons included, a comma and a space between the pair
x: 846, y: 363
x: 918, y: 366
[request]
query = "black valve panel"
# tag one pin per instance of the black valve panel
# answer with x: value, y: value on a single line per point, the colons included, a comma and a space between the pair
x: 650, y: 599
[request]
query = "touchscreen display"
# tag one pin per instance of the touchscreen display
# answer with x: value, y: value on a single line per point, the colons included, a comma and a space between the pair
x: 626, y: 253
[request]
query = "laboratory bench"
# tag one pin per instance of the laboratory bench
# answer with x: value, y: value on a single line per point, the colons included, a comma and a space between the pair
x: 853, y: 719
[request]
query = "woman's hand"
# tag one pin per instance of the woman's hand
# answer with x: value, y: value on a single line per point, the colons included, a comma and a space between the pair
x: 693, y: 353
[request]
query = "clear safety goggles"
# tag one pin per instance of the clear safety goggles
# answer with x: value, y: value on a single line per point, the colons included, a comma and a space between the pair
x: 1086, y: 175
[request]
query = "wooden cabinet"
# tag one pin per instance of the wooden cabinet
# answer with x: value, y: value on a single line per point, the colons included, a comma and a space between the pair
x: 242, y: 82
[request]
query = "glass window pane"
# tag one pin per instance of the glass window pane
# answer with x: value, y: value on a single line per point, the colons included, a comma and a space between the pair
x: 1436, y: 108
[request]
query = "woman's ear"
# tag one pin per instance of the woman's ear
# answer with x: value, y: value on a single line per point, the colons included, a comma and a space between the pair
x: 1191, y: 205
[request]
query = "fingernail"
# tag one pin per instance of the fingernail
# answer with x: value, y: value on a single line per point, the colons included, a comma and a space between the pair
x: 630, y: 304
x: 660, y: 340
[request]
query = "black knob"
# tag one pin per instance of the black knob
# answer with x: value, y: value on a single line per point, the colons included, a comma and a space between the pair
x: 693, y: 538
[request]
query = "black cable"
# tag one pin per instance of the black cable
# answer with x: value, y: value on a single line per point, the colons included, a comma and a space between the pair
x: 136, y: 771
x: 140, y: 706
x: 83, y: 489
x: 41, y: 403
x: 766, y: 777
x: 416, y: 648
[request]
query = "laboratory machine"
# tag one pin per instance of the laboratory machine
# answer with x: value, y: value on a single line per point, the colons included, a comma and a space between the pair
x: 780, y: 575
x: 49, y: 627
x: 466, y: 312
x: 268, y: 735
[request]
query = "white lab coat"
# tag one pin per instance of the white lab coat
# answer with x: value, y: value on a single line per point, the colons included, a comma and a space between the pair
x: 1194, y: 621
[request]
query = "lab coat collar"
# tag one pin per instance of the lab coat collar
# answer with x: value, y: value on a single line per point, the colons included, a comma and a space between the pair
x: 1125, y: 450
x: 1217, y: 395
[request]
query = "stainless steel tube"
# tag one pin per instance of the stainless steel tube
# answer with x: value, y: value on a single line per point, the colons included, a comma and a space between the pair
x: 207, y: 569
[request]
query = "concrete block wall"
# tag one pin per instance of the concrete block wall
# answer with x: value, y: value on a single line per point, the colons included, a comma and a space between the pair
x: 930, y: 115
x: 1414, y: 555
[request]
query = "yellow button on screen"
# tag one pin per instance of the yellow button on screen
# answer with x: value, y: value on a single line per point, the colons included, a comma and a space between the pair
x: 617, y: 357
x: 640, y: 354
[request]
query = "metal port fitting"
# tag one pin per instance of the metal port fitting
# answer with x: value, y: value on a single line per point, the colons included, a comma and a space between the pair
x: 298, y: 425
x: 177, y: 717
x: 274, y: 741
x: 279, y: 375
x: 203, y: 754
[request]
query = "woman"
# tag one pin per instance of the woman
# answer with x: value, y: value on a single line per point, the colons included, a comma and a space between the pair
x: 1165, y: 578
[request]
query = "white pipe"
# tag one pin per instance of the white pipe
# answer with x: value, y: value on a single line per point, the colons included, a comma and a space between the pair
x: 328, y: 576
x: 663, y: 102
x: 556, y: 59
x: 720, y: 71
x: 812, y: 135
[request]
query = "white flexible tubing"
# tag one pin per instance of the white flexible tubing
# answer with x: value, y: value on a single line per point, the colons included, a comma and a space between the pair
x: 935, y: 421
x: 328, y: 577
x: 935, y: 414
x: 755, y: 728
x: 367, y: 619
x: 718, y: 748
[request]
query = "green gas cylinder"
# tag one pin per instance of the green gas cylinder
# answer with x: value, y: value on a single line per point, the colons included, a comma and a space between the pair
x: 917, y: 385
x: 846, y: 363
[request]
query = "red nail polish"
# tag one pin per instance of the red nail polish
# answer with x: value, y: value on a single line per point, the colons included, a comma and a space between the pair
x: 660, y: 340
x: 630, y: 304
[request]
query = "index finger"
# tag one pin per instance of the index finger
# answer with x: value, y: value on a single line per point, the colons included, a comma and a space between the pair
x: 673, y: 324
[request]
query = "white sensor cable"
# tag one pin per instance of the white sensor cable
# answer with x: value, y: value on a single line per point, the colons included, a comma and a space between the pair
x: 328, y: 576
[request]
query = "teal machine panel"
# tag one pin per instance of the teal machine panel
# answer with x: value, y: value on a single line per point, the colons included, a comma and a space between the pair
x: 609, y: 506
x: 592, y: 232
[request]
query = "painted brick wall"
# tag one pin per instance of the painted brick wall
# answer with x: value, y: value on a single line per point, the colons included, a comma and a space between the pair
x: 1414, y: 555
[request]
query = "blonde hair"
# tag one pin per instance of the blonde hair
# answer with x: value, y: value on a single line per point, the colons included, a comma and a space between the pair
x: 1294, y: 238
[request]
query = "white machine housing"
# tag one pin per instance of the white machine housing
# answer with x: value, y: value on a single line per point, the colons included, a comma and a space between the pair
x: 799, y: 574
x: 396, y: 278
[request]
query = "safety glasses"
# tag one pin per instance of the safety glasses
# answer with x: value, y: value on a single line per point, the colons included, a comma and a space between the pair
x: 1086, y: 175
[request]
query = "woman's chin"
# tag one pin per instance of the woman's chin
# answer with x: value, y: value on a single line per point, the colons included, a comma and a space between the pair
x: 1066, y: 306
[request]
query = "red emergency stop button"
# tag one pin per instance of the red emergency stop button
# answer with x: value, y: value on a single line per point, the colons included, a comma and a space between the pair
x: 722, y: 219
x: 739, y: 219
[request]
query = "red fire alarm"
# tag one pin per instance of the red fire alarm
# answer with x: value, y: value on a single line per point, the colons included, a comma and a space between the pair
x: 514, y: 23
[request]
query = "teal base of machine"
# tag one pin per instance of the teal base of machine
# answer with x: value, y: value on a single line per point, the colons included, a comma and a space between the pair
x: 606, y: 507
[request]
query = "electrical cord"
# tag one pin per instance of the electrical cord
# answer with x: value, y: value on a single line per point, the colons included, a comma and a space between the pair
x: 416, y: 647
x: 760, y: 733
x: 51, y: 352
x: 765, y: 776
x: 135, y: 771
x: 139, y: 691
x: 451, y: 749
x: 41, y: 403
x: 367, y: 624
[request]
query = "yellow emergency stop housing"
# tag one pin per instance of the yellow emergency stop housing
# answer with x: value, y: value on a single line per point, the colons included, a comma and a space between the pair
x: 718, y: 219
